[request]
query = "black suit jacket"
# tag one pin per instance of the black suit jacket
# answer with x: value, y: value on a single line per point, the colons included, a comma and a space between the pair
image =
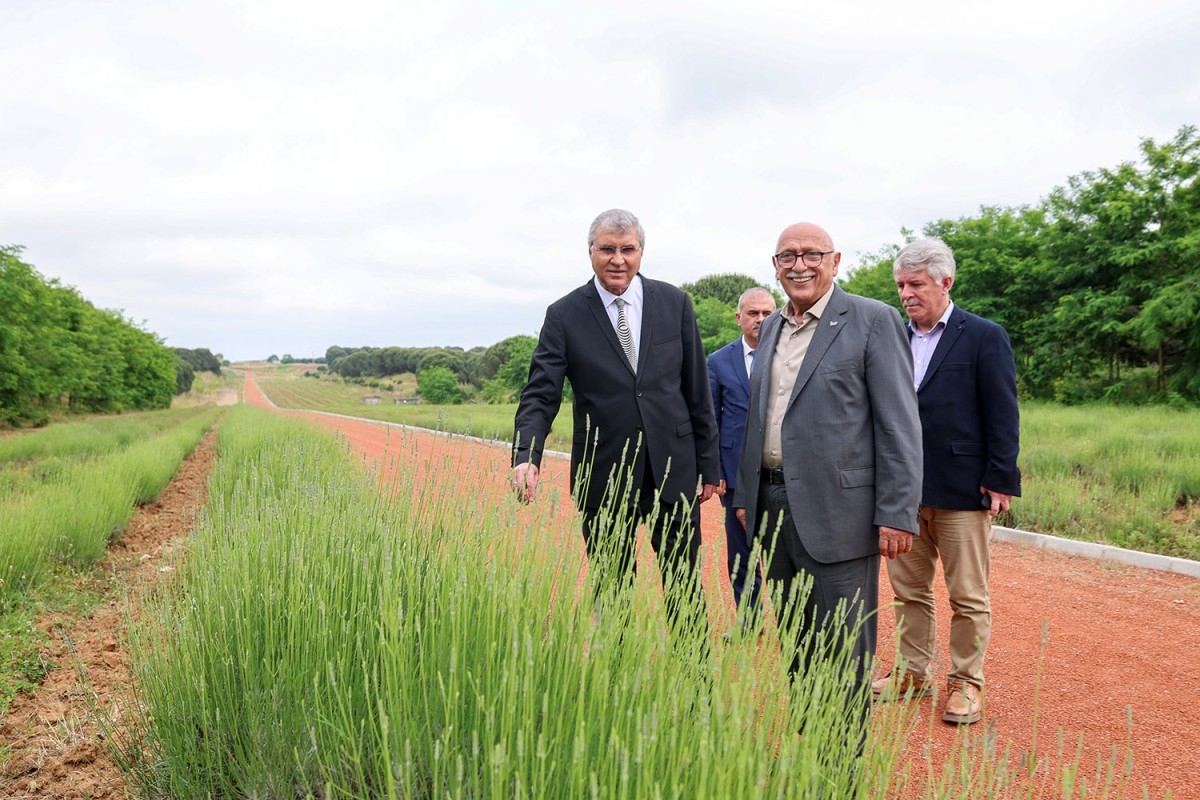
x: 970, y: 424
x: 667, y: 403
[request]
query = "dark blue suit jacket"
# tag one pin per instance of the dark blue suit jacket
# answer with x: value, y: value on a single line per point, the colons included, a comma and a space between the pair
x: 731, y: 400
x: 970, y: 424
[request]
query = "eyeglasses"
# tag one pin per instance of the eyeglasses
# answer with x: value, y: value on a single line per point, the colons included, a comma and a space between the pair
x: 812, y: 258
x: 608, y: 251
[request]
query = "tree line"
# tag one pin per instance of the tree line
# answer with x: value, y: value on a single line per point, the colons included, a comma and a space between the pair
x: 1098, y: 284
x: 60, y: 352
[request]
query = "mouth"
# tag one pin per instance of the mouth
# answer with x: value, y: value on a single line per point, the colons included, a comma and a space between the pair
x: 801, y: 277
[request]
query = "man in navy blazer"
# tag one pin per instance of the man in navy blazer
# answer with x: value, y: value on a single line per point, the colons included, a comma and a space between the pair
x: 644, y: 445
x: 966, y: 386
x: 729, y: 379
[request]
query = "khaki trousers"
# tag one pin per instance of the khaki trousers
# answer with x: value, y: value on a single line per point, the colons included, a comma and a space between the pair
x: 960, y: 539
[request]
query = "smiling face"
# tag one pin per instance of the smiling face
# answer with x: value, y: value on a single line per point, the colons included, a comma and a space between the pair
x: 924, y: 298
x: 616, y: 258
x: 804, y: 284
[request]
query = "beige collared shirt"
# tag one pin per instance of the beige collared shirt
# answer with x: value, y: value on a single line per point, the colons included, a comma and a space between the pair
x: 794, y: 338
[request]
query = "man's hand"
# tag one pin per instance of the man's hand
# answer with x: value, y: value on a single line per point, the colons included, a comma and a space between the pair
x: 707, y: 490
x: 720, y: 490
x: 525, y: 481
x: 894, y: 542
x: 741, y: 515
x: 999, y: 502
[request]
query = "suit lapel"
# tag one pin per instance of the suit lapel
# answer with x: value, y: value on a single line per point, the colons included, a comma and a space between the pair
x: 954, y: 329
x: 648, y: 317
x: 600, y: 314
x: 768, y: 337
x: 828, y: 328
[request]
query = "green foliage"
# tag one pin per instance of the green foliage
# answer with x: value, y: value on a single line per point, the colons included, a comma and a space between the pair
x: 717, y: 324
x: 726, y: 288
x: 1099, y: 279
x: 200, y: 358
x: 185, y: 376
x: 438, y: 385
x: 60, y: 352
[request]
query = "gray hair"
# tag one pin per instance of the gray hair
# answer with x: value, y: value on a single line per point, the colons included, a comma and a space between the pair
x: 754, y: 291
x: 929, y: 254
x: 619, y: 221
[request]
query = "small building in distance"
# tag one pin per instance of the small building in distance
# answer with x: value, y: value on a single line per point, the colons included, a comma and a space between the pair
x: 372, y: 400
x: 406, y: 401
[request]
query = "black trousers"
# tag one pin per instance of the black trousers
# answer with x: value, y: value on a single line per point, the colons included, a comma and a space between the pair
x: 610, y: 537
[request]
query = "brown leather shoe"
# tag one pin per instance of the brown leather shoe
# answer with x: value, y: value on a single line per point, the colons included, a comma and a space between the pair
x: 964, y: 703
x: 898, y: 687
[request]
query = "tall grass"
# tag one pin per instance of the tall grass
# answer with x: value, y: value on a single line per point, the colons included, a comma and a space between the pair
x: 328, y: 639
x: 1109, y: 474
x: 73, y: 516
x: 325, y: 640
x: 1121, y: 476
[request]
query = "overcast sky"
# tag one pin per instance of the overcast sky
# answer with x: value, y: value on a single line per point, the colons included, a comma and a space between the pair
x: 279, y: 176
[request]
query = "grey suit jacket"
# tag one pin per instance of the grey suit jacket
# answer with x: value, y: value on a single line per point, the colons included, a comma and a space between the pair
x: 852, y: 457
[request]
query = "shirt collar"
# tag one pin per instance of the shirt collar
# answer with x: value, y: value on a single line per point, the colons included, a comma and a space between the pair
x: 943, y: 321
x: 818, y: 308
x: 632, y: 296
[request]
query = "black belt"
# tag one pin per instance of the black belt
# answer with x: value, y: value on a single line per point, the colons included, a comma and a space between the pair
x: 772, y: 475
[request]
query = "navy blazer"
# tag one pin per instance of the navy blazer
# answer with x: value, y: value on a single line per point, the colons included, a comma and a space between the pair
x: 970, y: 425
x: 666, y: 406
x: 730, y: 387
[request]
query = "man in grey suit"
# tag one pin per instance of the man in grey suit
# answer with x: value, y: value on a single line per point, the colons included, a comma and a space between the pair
x: 644, y: 447
x: 831, y: 467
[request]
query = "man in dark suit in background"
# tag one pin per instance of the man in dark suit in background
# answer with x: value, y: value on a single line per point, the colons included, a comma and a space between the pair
x: 729, y: 379
x: 832, y: 456
x: 644, y: 446
x: 967, y: 392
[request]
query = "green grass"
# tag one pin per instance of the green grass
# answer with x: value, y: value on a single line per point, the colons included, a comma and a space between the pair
x: 329, y: 637
x: 1126, y: 477
x: 70, y: 513
x: 288, y: 388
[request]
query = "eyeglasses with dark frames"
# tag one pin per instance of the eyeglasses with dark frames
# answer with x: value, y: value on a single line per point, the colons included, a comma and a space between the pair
x: 787, y: 259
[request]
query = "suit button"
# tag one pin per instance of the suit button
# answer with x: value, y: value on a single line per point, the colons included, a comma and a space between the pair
x: 639, y: 394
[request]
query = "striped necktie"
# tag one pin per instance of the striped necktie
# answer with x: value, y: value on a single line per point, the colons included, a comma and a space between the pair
x: 750, y: 364
x: 625, y: 335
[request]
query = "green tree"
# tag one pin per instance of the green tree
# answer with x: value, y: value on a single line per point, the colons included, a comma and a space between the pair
x: 726, y: 288
x: 717, y: 323
x: 439, y: 385
x: 185, y: 376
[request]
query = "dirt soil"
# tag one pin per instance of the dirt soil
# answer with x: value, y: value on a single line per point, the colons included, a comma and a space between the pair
x: 1117, y: 665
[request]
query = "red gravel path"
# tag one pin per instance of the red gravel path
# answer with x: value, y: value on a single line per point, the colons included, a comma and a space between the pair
x: 1122, y: 643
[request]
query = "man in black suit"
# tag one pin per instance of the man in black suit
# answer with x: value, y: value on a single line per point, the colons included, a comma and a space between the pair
x: 966, y: 386
x: 644, y: 447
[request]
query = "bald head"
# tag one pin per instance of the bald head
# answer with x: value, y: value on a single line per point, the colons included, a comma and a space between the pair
x: 805, y: 264
x: 810, y: 231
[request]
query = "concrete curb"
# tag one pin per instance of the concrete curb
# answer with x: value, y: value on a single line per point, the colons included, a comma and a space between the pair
x: 1098, y: 551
